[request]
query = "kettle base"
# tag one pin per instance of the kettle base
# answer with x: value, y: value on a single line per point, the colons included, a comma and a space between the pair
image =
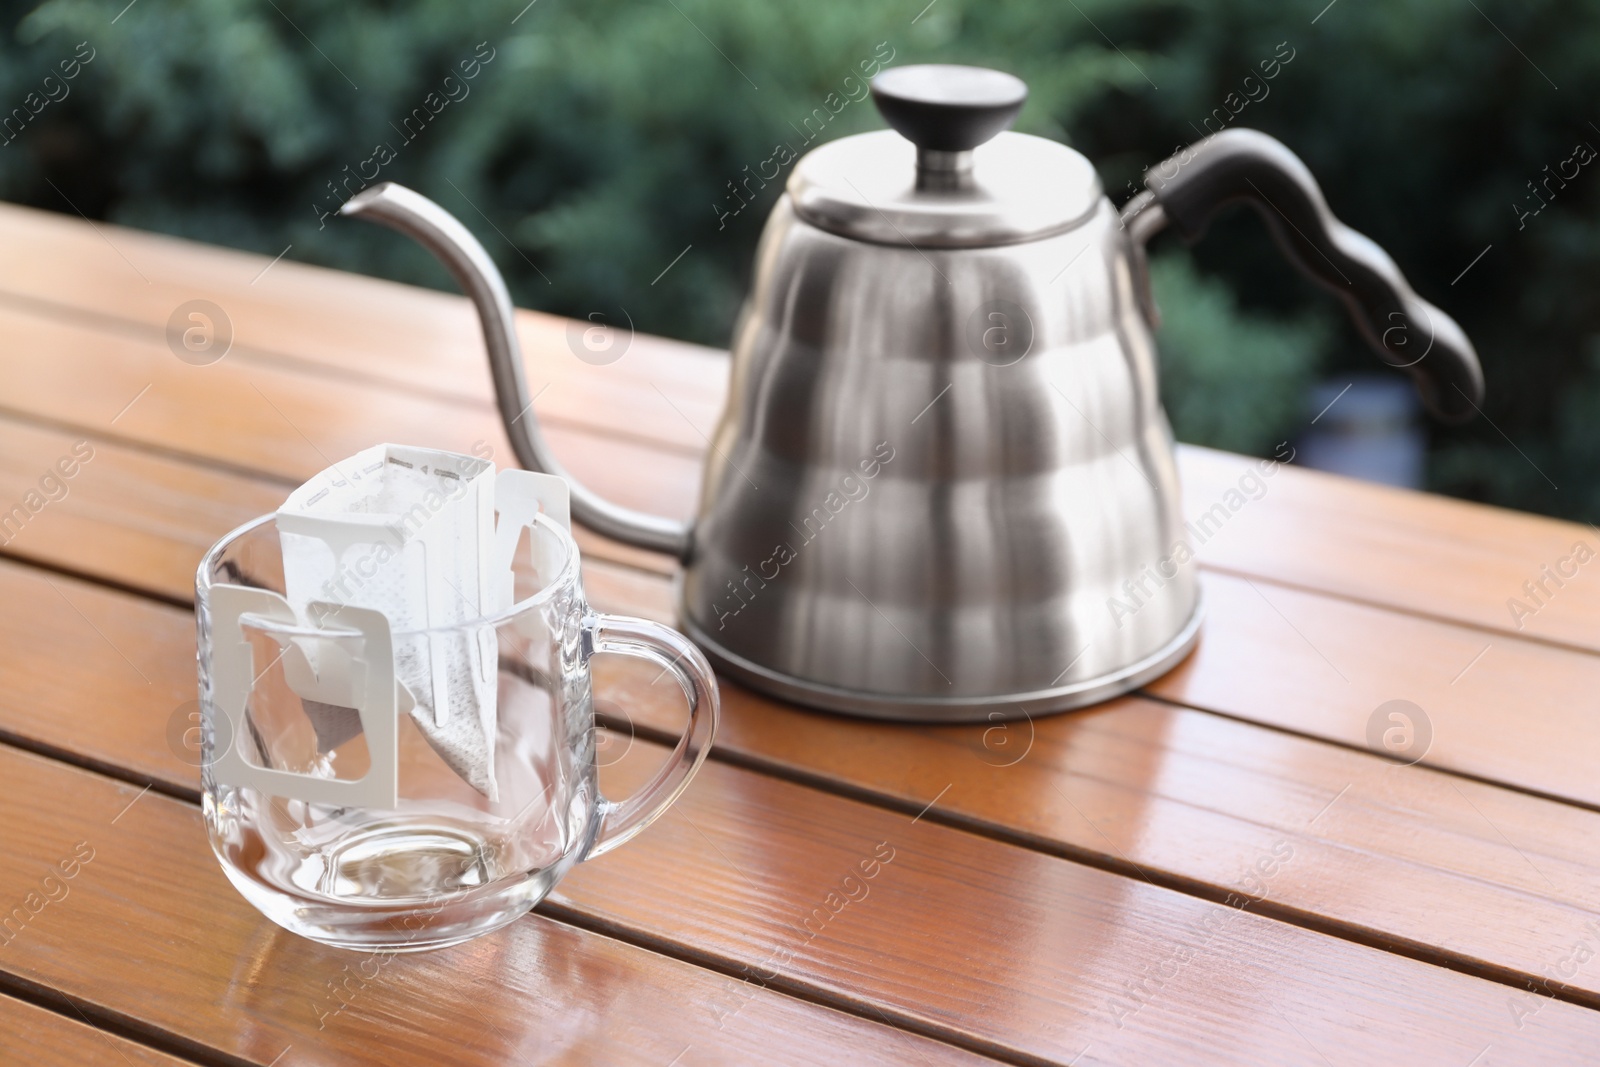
x: 964, y: 709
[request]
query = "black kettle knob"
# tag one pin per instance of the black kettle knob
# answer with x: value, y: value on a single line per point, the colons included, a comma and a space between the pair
x: 941, y: 107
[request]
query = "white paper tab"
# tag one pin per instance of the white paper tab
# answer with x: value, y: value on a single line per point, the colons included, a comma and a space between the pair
x: 400, y: 544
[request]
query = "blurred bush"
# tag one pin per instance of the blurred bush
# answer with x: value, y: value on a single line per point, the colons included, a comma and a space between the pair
x: 596, y: 142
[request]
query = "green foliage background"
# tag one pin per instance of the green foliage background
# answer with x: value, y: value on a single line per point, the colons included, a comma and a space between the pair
x: 600, y: 139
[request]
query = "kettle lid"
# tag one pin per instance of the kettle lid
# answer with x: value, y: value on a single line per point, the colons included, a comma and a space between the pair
x: 946, y: 176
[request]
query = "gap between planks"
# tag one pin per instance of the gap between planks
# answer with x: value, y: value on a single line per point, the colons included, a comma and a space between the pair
x: 109, y: 1021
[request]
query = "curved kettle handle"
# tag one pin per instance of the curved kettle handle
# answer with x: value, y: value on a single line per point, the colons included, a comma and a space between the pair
x: 1248, y: 166
x: 452, y: 244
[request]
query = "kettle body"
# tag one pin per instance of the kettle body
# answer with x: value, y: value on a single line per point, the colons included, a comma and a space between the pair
x: 944, y: 488
x: 942, y: 478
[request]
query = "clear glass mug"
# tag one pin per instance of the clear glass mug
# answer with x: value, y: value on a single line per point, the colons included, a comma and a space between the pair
x: 341, y: 820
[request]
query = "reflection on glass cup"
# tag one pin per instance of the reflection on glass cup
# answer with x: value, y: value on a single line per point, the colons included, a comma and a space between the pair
x: 341, y: 820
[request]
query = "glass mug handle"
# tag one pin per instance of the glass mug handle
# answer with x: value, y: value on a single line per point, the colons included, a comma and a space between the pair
x: 674, y: 654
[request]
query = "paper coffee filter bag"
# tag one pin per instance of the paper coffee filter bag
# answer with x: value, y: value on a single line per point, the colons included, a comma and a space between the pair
x: 408, y: 532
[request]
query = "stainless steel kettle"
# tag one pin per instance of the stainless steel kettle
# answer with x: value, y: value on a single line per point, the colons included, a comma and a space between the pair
x: 944, y: 469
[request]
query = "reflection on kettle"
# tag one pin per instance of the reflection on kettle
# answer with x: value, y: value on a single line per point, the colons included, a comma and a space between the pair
x: 944, y: 456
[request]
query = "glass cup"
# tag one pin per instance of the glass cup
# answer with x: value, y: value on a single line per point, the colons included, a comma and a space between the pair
x: 343, y: 820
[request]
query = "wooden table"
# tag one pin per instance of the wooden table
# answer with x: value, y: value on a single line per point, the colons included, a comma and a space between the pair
x: 1216, y: 870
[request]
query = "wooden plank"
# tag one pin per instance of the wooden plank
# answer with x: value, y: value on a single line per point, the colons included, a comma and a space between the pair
x: 1397, y: 856
x: 281, y: 422
x: 40, y: 1038
x: 143, y: 520
x: 149, y: 930
x: 1422, y: 553
x: 1033, y: 956
x: 124, y: 516
x: 1503, y: 708
x: 130, y: 283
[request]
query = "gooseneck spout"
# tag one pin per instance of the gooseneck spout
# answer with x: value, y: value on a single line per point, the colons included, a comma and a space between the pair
x: 452, y: 244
